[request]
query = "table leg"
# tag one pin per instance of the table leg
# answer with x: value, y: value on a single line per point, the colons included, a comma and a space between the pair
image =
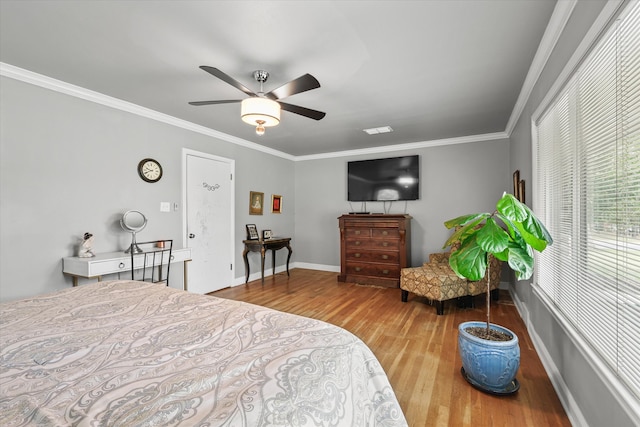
x: 185, y: 285
x: 289, y: 257
x: 246, y: 265
x: 273, y: 256
x: 262, y: 253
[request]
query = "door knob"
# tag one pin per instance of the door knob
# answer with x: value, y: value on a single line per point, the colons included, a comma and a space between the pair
x: 191, y: 235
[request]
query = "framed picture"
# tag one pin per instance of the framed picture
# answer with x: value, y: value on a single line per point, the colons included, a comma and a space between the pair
x: 521, y: 191
x: 256, y: 202
x: 276, y: 204
x: 516, y: 184
x: 266, y: 234
x: 252, y: 232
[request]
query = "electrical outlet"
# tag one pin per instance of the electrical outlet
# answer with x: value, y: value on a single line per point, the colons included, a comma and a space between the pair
x: 165, y: 207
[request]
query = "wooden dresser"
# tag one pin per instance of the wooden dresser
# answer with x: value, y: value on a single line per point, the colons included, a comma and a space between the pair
x: 373, y: 248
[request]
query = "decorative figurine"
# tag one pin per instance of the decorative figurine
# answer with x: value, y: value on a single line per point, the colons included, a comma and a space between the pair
x: 86, y: 247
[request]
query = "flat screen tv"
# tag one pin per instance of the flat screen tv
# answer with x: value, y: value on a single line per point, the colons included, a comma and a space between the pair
x: 396, y: 178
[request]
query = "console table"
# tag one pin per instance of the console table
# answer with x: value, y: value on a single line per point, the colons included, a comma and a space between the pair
x: 263, y: 246
x: 113, y: 262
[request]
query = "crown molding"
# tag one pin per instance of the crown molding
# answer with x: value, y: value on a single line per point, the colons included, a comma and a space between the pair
x: 407, y: 146
x: 36, y: 79
x: 552, y: 33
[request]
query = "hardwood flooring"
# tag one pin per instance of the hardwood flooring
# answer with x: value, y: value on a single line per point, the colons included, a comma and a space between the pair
x: 417, y: 348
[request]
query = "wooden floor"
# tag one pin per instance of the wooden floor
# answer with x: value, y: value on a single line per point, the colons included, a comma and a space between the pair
x: 417, y: 348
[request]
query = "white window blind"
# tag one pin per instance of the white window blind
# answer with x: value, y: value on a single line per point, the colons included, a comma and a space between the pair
x: 588, y: 196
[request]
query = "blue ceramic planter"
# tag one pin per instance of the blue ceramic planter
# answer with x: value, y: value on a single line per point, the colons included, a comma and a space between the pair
x: 489, y: 365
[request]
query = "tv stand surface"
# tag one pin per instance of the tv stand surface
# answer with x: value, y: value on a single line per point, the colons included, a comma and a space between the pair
x: 358, y: 213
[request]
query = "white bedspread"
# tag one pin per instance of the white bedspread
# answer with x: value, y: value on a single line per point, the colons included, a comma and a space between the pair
x: 126, y: 353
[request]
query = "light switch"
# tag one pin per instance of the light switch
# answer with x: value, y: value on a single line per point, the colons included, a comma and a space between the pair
x: 165, y: 207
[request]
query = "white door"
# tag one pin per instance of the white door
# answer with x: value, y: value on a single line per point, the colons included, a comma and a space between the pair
x: 209, y: 220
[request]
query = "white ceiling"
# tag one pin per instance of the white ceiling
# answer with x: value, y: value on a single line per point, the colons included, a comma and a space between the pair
x: 431, y: 70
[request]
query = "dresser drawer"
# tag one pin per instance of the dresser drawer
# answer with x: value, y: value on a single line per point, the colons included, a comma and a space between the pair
x: 358, y: 243
x: 385, y: 233
x: 389, y: 245
x: 378, y: 270
x: 373, y: 256
x: 357, y: 232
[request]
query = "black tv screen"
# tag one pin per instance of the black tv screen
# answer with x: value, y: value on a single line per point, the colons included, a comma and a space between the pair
x: 396, y: 178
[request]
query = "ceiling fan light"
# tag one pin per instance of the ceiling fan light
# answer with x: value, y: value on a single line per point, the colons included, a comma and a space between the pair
x: 255, y: 109
x: 260, y: 128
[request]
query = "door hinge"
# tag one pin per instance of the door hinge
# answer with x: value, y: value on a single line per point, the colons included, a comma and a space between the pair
x: 231, y: 267
x: 230, y: 177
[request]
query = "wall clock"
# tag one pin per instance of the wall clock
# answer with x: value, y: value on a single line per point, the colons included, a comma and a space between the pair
x: 150, y: 170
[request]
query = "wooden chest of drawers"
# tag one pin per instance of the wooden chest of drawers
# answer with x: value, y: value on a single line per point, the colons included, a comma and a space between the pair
x: 373, y: 248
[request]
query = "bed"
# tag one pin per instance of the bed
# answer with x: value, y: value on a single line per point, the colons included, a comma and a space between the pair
x: 126, y: 353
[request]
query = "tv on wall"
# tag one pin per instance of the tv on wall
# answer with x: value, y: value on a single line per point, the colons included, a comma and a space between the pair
x: 378, y: 180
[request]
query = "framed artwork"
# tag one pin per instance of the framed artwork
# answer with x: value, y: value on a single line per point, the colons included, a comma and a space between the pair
x: 256, y: 202
x: 516, y: 184
x: 521, y: 191
x: 266, y: 234
x: 252, y: 232
x: 276, y: 204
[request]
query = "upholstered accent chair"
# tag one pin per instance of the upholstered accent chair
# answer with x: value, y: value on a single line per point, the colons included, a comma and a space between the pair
x: 436, y: 281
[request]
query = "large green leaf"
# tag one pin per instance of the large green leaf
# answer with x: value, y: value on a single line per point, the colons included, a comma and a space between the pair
x: 464, y: 231
x: 502, y: 256
x: 464, y: 219
x: 470, y: 261
x: 511, y: 208
x: 536, y: 243
x: 521, y: 262
x: 492, y: 238
x: 534, y: 226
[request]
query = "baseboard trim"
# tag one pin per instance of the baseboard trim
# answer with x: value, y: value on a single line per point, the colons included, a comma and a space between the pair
x: 564, y: 393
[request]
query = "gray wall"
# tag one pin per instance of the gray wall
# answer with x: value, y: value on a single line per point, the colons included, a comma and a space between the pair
x: 69, y: 166
x: 454, y: 180
x: 588, y: 389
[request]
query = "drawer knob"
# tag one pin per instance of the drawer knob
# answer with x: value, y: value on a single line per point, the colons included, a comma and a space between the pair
x: 357, y: 243
x: 385, y: 232
x: 357, y: 232
x: 385, y: 256
x: 358, y: 269
x: 357, y: 255
x: 172, y: 257
x: 385, y: 271
x: 385, y: 243
x: 121, y: 265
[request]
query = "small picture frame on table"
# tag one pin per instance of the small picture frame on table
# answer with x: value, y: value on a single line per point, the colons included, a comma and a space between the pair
x: 266, y: 234
x: 276, y: 203
x: 252, y: 232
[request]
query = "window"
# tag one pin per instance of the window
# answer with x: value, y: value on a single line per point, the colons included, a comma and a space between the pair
x: 587, y: 171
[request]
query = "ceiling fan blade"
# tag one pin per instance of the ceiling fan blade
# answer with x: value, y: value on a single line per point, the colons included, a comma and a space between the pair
x: 299, y: 85
x: 306, y: 112
x: 223, y: 101
x: 227, y: 79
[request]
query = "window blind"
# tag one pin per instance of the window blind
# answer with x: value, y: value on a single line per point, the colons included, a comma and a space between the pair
x: 588, y: 195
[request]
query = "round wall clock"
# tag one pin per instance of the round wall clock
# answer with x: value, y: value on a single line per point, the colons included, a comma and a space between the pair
x: 150, y: 170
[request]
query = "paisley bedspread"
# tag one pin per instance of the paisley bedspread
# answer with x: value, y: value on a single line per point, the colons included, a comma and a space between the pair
x: 126, y: 353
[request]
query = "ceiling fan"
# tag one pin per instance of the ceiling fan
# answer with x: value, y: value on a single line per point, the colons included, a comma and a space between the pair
x: 263, y: 109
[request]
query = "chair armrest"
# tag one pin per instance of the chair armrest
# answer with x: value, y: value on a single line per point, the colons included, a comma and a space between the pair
x: 439, y: 258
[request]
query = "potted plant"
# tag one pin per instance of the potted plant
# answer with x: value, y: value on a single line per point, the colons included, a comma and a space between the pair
x: 490, y: 353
